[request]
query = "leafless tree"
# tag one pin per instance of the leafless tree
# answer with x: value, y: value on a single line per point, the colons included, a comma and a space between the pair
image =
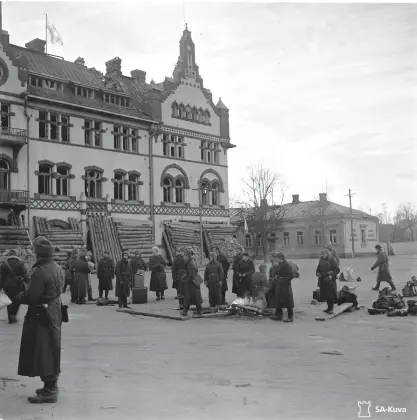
x: 263, y: 189
x: 407, y: 214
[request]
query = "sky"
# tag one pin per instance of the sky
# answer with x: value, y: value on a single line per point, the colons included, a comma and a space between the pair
x: 322, y: 94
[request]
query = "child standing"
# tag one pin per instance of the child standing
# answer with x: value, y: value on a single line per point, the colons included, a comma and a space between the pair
x: 259, y: 285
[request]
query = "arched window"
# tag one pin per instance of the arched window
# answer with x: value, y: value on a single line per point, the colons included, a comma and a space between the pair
x: 204, y: 193
x: 189, y: 113
x: 118, y: 186
x: 207, y: 117
x: 167, y: 190
x: 179, y: 191
x: 182, y: 111
x: 200, y: 117
x: 4, y: 175
x: 62, y: 181
x: 175, y: 110
x: 215, y: 193
x: 248, y: 240
x: 45, y: 180
x: 133, y: 187
x: 195, y: 114
x: 93, y: 180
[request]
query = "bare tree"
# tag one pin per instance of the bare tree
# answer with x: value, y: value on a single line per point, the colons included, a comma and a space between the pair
x: 263, y: 188
x: 407, y: 214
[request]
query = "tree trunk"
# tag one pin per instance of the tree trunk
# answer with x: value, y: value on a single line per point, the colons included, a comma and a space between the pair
x: 265, y: 248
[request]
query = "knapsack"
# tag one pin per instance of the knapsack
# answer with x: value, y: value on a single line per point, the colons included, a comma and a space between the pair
x: 295, y: 271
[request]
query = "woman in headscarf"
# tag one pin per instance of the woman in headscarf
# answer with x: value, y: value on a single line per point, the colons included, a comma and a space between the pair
x: 213, y: 279
x: 326, y: 272
x: 191, y: 284
x: 124, y: 279
x: 81, y: 271
x: 158, y: 275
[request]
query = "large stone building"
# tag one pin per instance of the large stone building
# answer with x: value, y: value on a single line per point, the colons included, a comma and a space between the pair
x: 307, y: 226
x: 76, y: 143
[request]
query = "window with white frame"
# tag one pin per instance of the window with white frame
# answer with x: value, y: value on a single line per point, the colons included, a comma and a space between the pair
x: 84, y: 92
x: 300, y: 238
x: 118, y: 186
x: 5, y: 116
x: 179, y: 191
x: 126, y: 139
x: 248, y: 240
x: 93, y: 133
x: 93, y: 184
x: 215, y: 193
x: 54, y: 126
x: 62, y: 181
x: 45, y: 179
x: 363, y: 235
x: 317, y: 237
x: 133, y: 187
x: 333, y: 237
x: 4, y: 175
x: 167, y: 190
x: 173, y: 146
x: 286, y: 238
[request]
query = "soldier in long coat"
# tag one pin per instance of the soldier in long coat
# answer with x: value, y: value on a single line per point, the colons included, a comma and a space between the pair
x: 72, y: 257
x: 40, y: 348
x: 213, y: 279
x: 81, y: 271
x: 235, y: 266
x: 178, y: 272
x: 327, y: 271
x: 282, y: 274
x: 138, y: 263
x: 245, y: 271
x: 124, y: 279
x: 260, y: 285
x: 105, y: 275
x: 158, y: 275
x: 333, y: 254
x: 191, y: 284
x: 13, y: 280
x: 226, y: 265
x: 383, y: 269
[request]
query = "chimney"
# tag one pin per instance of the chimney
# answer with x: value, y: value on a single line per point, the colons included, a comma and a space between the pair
x: 139, y: 75
x: 114, y: 66
x: 5, y: 37
x: 80, y: 61
x: 323, y: 197
x: 36, y: 45
x: 296, y: 199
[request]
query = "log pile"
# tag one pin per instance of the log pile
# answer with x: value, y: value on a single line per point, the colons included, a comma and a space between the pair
x: 13, y: 237
x: 183, y: 235
x: 216, y: 234
x: 64, y: 239
x: 103, y: 237
x: 135, y: 236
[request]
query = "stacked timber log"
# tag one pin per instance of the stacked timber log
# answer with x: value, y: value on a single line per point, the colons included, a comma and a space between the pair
x: 135, y: 236
x: 183, y: 235
x: 216, y: 234
x: 64, y: 239
x: 13, y: 237
x: 103, y: 237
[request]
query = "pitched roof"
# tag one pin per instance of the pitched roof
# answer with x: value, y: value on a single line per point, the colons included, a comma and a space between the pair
x: 221, y: 105
x: 48, y: 66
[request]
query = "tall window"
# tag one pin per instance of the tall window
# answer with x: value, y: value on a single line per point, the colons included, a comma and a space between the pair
x: 65, y: 128
x: 167, y: 190
x: 45, y: 180
x: 203, y: 150
x: 4, y: 175
x: 333, y: 237
x: 286, y: 238
x: 53, y: 126
x: 182, y: 111
x: 135, y: 141
x: 43, y: 125
x: 363, y: 236
x: 175, y: 110
x: 317, y: 237
x: 133, y: 187
x: 93, y: 184
x: 207, y: 117
x: 188, y: 113
x: 216, y: 153
x: 5, y: 116
x: 204, y: 193
x: 92, y: 133
x: 116, y: 133
x: 248, y: 240
x: 300, y: 238
x: 126, y: 139
x: 200, y: 117
x: 118, y: 186
x: 62, y: 181
x: 215, y: 193
x: 173, y: 146
x: 179, y: 191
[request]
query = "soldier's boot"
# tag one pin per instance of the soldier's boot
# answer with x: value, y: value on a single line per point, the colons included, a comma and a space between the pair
x: 48, y: 394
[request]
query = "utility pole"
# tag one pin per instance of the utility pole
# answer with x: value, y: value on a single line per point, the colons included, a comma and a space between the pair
x: 350, y: 195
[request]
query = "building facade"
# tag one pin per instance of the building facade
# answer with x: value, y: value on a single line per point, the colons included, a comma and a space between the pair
x: 75, y: 141
x: 306, y: 227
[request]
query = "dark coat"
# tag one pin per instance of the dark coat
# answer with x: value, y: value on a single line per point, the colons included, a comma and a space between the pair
x: 226, y: 265
x: 13, y: 276
x: 236, y: 278
x: 259, y: 285
x: 282, y: 274
x: 68, y: 271
x: 158, y: 275
x: 40, y: 348
x: 243, y: 281
x: 138, y: 263
x: 178, y: 271
x: 105, y: 273
x: 327, y: 270
x: 80, y: 270
x: 383, y: 267
x: 124, y: 278
x: 214, y: 274
x: 192, y: 291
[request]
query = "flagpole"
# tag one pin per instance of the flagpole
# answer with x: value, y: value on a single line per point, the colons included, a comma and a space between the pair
x: 46, y: 33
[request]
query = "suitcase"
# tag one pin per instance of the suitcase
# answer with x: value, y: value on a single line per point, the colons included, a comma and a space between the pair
x: 139, y: 280
x: 140, y: 295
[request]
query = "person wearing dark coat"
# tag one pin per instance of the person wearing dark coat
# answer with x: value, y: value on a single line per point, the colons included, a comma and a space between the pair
x: 72, y: 257
x: 226, y: 265
x: 282, y: 274
x: 13, y: 280
x: 138, y: 263
x: 80, y: 270
x: 333, y: 254
x: 259, y: 285
x: 158, y: 276
x: 105, y: 275
x: 244, y: 280
x: 235, y: 266
x: 124, y: 280
x: 383, y: 269
x: 327, y: 271
x: 191, y: 284
x: 178, y: 271
x: 40, y: 348
x: 213, y: 279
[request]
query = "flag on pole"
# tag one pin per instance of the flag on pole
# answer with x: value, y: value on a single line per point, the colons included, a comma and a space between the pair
x: 54, y: 34
x: 245, y: 225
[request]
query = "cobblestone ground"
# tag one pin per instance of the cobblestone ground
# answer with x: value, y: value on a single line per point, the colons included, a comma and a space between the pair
x: 116, y: 365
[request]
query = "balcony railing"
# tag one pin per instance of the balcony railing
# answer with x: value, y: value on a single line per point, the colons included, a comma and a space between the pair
x: 12, y: 135
x: 14, y: 196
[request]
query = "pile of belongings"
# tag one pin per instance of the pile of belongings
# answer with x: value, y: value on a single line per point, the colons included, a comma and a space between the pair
x: 410, y: 289
x: 229, y: 247
x: 248, y: 307
x: 347, y: 275
x: 106, y: 302
x: 348, y: 295
x: 389, y: 303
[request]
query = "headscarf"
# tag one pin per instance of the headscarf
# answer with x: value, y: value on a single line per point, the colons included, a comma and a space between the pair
x: 156, y: 249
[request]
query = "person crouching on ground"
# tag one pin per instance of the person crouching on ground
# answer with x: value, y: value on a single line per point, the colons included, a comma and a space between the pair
x: 13, y: 280
x: 191, y: 284
x: 105, y: 275
x: 282, y: 274
x: 383, y: 269
x: 40, y: 348
x: 178, y: 271
x: 246, y: 270
x: 213, y: 279
x: 81, y: 271
x: 222, y: 259
x: 327, y: 271
x: 259, y: 285
x: 158, y: 276
x: 124, y: 279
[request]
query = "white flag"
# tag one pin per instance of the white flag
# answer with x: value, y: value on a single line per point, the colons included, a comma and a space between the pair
x: 55, y: 36
x: 245, y: 226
